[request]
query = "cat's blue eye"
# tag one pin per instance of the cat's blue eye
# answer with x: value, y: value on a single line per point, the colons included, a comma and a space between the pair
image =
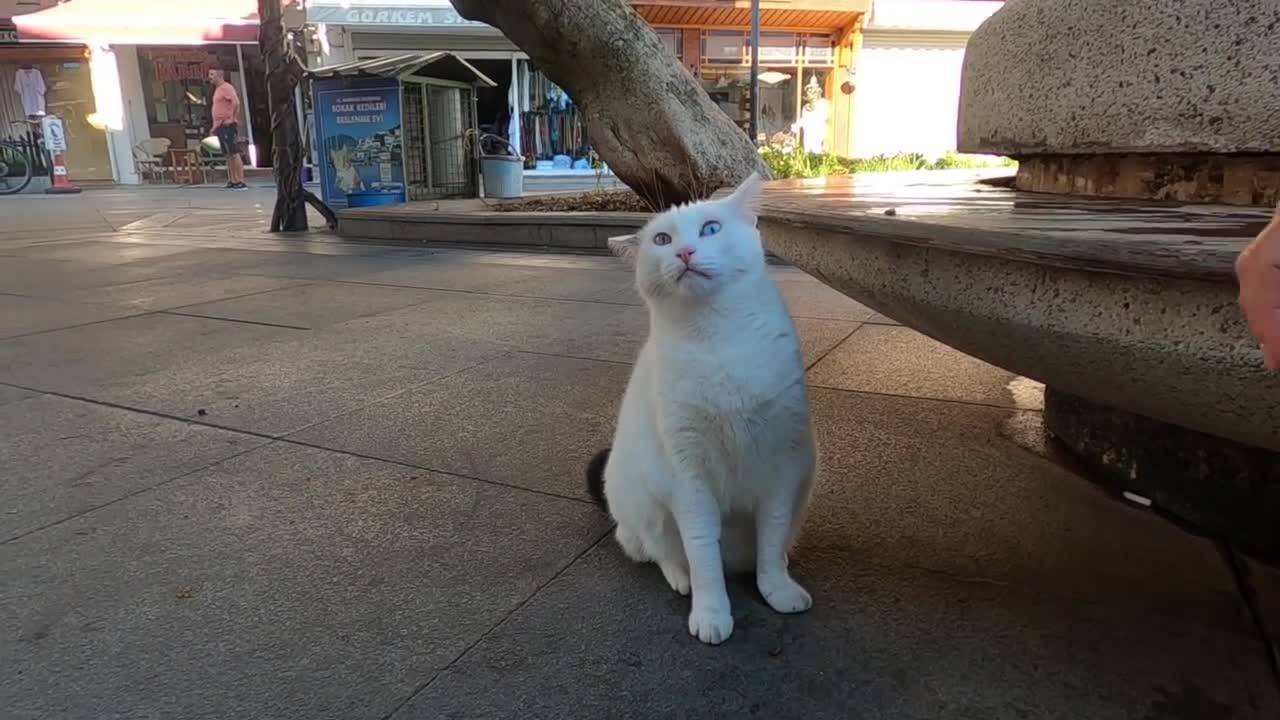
x: 710, y: 227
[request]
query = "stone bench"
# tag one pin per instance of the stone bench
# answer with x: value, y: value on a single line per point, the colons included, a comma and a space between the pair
x: 1124, y: 309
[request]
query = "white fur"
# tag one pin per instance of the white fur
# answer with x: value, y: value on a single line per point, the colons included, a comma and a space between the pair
x: 713, y: 460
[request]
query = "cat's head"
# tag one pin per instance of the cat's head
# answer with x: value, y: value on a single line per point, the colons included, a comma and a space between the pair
x: 698, y: 250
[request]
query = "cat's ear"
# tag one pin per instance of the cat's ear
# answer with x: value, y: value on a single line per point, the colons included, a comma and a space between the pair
x: 748, y: 195
x: 625, y: 246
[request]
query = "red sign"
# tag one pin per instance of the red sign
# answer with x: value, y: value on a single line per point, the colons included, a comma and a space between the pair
x: 181, y: 65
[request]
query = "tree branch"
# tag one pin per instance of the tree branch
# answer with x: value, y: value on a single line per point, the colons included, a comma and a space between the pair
x: 330, y: 218
x: 646, y: 115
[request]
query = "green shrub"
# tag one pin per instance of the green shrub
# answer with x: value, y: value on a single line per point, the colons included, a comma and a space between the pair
x: 799, y: 164
x: 890, y: 163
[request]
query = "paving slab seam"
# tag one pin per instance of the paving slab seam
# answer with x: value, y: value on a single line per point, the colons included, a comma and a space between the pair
x: 108, y: 285
x: 298, y: 284
x: 242, y: 321
x: 872, y: 393
x: 1239, y: 570
x: 437, y: 471
x: 949, y: 401
x: 560, y: 299
x: 130, y: 495
x: 285, y: 437
x: 833, y: 347
x: 169, y: 310
x: 518, y: 606
x: 77, y: 325
x: 479, y: 293
x: 573, y: 357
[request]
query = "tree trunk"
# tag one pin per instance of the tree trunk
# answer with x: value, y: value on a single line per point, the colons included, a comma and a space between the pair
x: 283, y: 73
x: 647, y: 117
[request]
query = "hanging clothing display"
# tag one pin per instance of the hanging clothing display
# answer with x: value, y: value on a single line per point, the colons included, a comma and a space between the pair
x: 29, y: 84
x: 550, y: 124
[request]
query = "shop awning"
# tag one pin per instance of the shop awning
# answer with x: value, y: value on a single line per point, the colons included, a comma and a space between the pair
x: 144, y: 22
x: 819, y: 15
x: 439, y: 65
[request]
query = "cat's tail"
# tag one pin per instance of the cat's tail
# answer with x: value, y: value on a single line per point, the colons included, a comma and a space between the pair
x: 595, y: 478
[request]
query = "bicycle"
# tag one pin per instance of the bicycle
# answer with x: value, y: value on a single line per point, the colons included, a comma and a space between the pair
x: 16, y: 163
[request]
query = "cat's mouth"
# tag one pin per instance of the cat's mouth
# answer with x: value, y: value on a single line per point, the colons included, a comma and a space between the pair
x: 692, y: 271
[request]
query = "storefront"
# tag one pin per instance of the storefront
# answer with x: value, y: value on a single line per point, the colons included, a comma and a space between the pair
x: 141, y: 72
x: 807, y: 54
x: 176, y: 93
x: 524, y: 108
x: 53, y: 78
x: 795, y: 83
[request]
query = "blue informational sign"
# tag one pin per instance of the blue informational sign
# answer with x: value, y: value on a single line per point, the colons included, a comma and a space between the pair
x: 359, y: 140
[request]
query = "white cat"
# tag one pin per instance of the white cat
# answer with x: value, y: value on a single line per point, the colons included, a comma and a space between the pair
x: 347, y: 178
x: 713, y: 461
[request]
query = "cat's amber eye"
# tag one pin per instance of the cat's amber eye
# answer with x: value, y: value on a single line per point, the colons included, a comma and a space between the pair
x: 662, y: 239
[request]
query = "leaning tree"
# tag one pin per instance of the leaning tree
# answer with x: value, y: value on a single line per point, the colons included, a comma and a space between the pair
x: 648, y: 117
x: 284, y: 71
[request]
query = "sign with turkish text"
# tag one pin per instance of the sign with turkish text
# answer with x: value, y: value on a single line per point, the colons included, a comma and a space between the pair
x: 384, y: 15
x: 359, y: 137
x: 181, y: 65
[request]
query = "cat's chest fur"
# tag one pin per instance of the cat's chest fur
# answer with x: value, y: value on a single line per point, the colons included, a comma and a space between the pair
x: 731, y: 356
x: 734, y: 386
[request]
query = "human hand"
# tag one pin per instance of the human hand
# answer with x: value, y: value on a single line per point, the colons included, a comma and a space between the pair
x: 1258, y: 271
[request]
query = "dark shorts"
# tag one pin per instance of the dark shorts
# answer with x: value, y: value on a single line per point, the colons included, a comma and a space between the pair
x: 229, y: 137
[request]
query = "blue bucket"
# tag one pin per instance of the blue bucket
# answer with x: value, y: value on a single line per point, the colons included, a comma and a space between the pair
x: 373, y: 199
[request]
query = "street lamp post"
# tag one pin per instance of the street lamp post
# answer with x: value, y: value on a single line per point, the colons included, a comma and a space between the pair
x: 755, y: 71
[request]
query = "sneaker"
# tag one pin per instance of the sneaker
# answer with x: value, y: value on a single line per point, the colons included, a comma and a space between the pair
x: 239, y: 186
x: 230, y: 185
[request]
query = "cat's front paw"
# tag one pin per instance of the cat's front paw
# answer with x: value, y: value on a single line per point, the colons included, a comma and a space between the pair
x: 785, y: 595
x: 711, y: 625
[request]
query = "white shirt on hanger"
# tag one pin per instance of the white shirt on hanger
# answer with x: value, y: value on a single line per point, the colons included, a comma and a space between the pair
x: 29, y: 84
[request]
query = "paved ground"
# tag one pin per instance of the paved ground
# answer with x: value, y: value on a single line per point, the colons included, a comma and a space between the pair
x: 246, y: 477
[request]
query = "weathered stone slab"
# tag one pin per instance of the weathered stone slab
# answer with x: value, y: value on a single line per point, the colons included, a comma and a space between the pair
x: 1161, y: 239
x: 1100, y: 76
x: 954, y: 574
x: 290, y: 583
x: 1228, y: 179
x: 1126, y: 304
x: 413, y: 224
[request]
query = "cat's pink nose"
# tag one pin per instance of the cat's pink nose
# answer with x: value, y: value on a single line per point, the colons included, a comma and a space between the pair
x: 685, y: 253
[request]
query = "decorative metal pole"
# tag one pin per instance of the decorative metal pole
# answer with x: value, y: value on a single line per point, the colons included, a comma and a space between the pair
x: 755, y: 71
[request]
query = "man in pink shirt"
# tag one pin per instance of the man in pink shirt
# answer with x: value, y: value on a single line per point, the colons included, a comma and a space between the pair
x: 225, y: 112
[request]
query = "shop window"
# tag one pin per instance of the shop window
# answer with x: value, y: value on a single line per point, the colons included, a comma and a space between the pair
x: 724, y: 48
x: 176, y: 89
x: 794, y: 107
x: 734, y: 48
x: 730, y: 89
x: 819, y: 49
x: 776, y: 49
x: 674, y: 40
x: 551, y: 125
x: 68, y: 94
